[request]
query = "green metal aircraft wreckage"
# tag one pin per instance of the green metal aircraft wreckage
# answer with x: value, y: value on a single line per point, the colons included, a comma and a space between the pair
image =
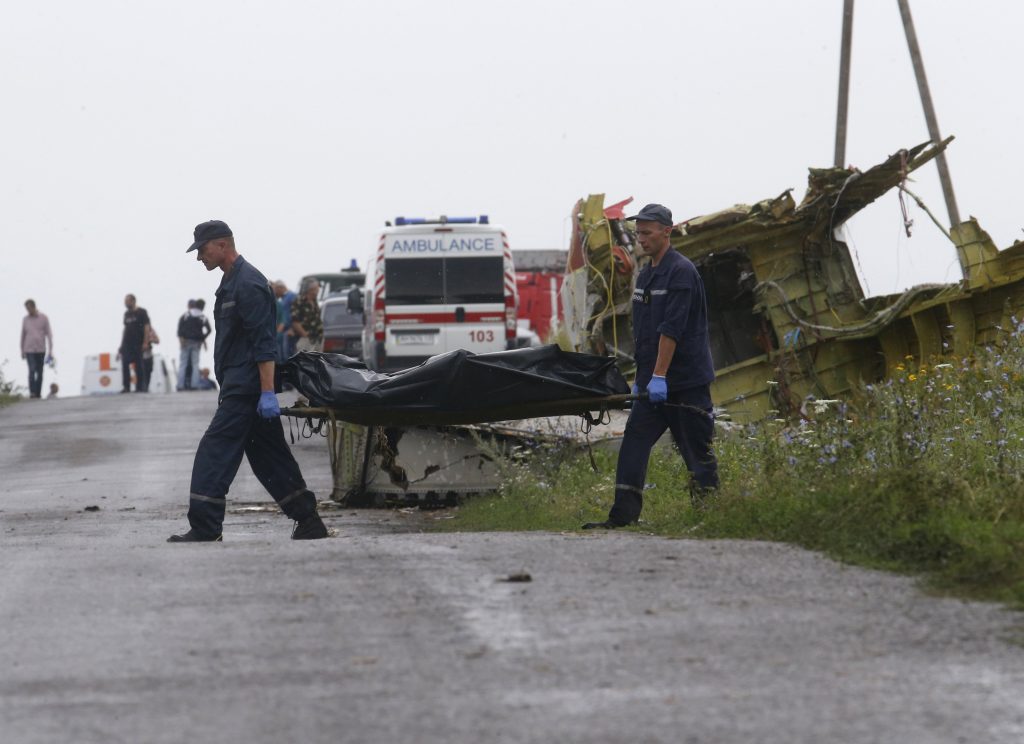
x: 788, y: 316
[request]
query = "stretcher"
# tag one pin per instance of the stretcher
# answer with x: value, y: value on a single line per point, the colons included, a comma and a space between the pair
x: 419, y: 434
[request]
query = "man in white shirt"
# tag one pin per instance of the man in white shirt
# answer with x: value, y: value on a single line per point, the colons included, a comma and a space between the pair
x: 36, y: 346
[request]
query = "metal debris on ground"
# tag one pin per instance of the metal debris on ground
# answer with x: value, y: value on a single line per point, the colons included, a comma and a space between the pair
x: 521, y: 577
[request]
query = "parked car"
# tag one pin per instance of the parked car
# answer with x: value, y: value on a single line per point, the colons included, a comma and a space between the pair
x: 335, y: 282
x: 343, y: 330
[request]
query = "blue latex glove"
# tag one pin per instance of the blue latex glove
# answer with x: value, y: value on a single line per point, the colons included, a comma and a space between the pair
x: 268, y: 407
x: 657, y: 390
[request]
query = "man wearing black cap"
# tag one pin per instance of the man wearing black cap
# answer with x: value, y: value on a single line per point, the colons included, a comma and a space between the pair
x: 674, y: 367
x: 247, y: 420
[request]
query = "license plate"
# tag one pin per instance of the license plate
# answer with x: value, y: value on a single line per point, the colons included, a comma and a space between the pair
x: 422, y: 339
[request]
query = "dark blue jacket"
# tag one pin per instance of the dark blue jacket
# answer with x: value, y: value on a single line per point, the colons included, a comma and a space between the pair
x: 669, y: 299
x: 245, y: 316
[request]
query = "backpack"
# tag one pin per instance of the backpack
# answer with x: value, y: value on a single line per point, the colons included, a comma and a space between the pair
x: 190, y: 327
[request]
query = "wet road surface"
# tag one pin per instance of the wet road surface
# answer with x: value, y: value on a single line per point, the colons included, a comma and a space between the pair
x: 386, y: 634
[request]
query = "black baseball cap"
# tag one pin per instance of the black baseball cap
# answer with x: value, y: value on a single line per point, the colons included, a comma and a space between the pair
x: 207, y: 231
x: 654, y: 213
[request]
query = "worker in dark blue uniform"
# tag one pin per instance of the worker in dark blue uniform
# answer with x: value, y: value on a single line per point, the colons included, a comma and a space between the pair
x: 247, y: 420
x: 674, y: 367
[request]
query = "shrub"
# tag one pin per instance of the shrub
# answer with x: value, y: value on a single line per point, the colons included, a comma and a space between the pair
x: 8, y: 390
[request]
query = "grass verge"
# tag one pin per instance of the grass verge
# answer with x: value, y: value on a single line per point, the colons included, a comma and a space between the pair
x: 920, y: 475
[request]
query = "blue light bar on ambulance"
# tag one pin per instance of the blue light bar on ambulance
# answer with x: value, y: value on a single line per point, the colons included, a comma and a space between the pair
x: 443, y: 220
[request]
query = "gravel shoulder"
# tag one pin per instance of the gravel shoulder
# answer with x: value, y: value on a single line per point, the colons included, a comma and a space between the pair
x: 385, y: 633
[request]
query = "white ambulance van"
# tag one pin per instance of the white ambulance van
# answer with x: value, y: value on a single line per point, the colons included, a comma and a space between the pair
x: 439, y: 285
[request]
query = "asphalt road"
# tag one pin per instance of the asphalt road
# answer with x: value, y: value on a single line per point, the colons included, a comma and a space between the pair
x: 386, y: 634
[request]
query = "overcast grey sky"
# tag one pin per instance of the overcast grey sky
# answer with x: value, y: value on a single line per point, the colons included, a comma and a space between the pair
x: 305, y: 125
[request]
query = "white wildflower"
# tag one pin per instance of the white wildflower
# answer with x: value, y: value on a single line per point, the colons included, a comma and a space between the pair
x: 821, y: 405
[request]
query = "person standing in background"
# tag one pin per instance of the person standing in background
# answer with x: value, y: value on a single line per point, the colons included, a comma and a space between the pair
x: 285, y: 334
x: 147, y: 354
x: 193, y: 328
x: 201, y: 308
x: 36, y: 346
x: 306, y: 322
x: 133, y: 339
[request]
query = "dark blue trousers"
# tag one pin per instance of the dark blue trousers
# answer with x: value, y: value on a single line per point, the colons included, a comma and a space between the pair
x: 132, y: 355
x: 35, y: 373
x: 690, y: 420
x: 237, y: 429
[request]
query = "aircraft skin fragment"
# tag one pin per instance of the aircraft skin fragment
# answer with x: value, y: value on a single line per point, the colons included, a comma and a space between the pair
x: 789, y: 317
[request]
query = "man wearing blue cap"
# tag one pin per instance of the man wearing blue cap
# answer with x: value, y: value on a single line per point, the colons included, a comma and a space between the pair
x: 247, y: 420
x: 674, y: 367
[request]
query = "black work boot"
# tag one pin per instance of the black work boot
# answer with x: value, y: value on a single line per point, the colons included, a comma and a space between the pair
x: 193, y: 536
x: 310, y: 528
x: 702, y: 498
x: 605, y: 525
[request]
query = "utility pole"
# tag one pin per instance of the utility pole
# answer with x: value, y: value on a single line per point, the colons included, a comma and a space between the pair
x: 929, y: 112
x: 844, y: 84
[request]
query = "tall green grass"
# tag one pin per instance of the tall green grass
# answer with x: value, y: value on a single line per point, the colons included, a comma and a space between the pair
x: 922, y: 473
x: 8, y: 390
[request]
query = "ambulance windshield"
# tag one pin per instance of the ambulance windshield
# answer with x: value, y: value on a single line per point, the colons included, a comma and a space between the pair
x: 478, y: 279
x: 444, y: 281
x: 414, y: 281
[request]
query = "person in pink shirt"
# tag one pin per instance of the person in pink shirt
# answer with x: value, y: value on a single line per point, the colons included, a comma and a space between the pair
x: 36, y: 346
